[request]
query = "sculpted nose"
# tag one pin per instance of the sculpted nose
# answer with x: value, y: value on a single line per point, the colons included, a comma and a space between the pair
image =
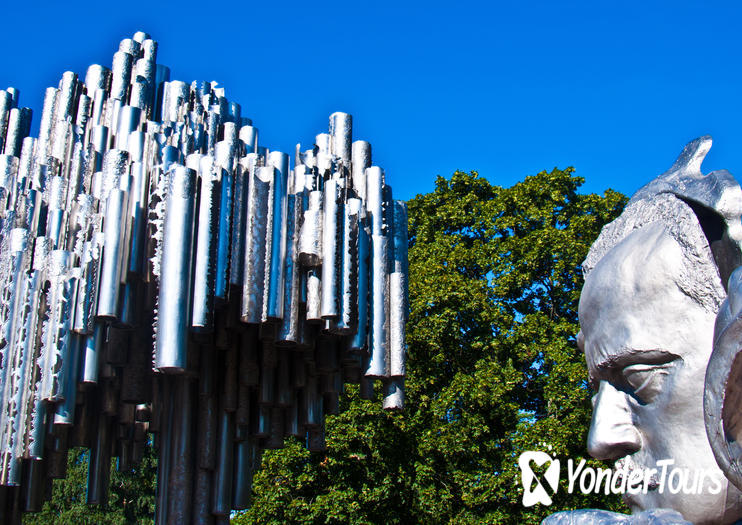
x: 612, y: 432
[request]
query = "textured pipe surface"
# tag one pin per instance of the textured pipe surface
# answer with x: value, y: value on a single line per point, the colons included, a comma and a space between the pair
x: 175, y: 280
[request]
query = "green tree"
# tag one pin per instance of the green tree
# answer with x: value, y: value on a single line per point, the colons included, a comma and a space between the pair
x: 131, y: 498
x: 493, y: 368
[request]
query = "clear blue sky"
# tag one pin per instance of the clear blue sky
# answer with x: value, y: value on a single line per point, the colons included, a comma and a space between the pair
x: 614, y: 89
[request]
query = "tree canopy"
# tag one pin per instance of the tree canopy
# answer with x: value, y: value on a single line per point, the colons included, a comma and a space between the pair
x: 493, y: 368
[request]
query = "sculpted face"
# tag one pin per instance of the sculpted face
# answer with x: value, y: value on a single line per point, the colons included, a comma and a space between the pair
x: 647, y: 344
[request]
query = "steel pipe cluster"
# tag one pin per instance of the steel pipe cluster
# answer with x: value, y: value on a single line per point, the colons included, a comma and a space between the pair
x: 163, y: 273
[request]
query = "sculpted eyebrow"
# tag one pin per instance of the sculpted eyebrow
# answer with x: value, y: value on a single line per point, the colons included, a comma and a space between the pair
x: 633, y: 356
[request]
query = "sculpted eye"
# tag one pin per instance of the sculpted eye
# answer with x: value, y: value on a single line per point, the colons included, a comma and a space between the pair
x: 646, y: 380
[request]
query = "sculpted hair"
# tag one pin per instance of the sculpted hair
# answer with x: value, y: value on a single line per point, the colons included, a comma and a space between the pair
x: 700, y: 278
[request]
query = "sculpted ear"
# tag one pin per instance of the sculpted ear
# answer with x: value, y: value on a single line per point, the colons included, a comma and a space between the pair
x: 581, y: 341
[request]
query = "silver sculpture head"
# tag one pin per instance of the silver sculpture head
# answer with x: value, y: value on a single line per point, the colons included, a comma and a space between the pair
x: 654, y: 284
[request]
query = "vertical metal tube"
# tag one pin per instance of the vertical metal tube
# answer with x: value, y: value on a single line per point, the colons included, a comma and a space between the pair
x: 398, y: 301
x: 115, y: 229
x: 288, y: 332
x: 359, y: 340
x: 202, y: 498
x: 332, y: 239
x: 284, y: 387
x: 324, y: 154
x: 341, y: 131
x: 33, y: 485
x: 249, y: 136
x: 379, y: 313
x: 239, y: 226
x: 165, y: 449
x: 247, y: 459
x: 162, y: 75
x: 314, y: 298
x: 97, y: 77
x: 121, y: 74
x: 65, y: 410
x: 207, y: 411
x: 45, y: 126
x: 311, y: 403
x: 275, y: 275
x: 173, y: 305
x: 259, y: 205
x: 310, y: 237
x: 361, y: 161
x: 349, y: 282
x: 229, y: 382
x: 378, y: 365
x: 19, y: 125
x: 393, y: 394
x: 204, y: 273
x: 225, y: 160
x: 221, y: 502
x: 56, y: 328
x: 99, y: 467
x: 180, y: 480
x: 6, y: 101
x: 137, y: 207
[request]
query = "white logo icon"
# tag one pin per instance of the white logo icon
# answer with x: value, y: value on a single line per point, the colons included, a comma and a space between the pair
x: 527, y: 476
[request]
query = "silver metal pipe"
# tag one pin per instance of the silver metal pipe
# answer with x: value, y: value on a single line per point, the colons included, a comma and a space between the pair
x: 6, y: 104
x: 359, y: 340
x: 97, y: 77
x: 332, y: 242
x: 221, y: 502
x: 173, y: 310
x: 378, y: 365
x: 310, y: 236
x: 324, y: 154
x: 247, y: 460
x: 348, y: 318
x: 202, y: 498
x: 100, y: 463
x: 115, y: 233
x: 121, y: 74
x: 180, y: 486
x: 288, y: 332
x: 129, y: 118
x: 375, y: 199
x: 46, y: 125
x: 259, y: 209
x: 204, y: 273
x: 394, y: 394
x: 314, y: 298
x: 165, y: 413
x: 249, y: 136
x: 57, y: 325
x: 230, y: 367
x: 225, y: 160
x: 398, y: 292
x: 65, y: 410
x: 19, y: 126
x: 273, y: 307
x: 239, y: 217
x: 341, y: 131
x: 361, y: 160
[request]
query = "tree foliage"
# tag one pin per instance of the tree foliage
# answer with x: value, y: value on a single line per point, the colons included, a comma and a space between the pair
x: 493, y: 368
x: 131, y: 498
